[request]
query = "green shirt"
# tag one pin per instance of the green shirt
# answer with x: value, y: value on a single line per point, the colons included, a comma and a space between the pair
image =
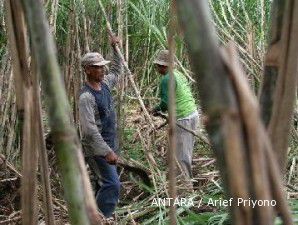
x: 185, y: 103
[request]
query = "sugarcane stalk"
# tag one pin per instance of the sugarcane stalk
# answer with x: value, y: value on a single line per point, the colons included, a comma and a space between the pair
x: 234, y: 124
x: 130, y: 76
x: 66, y: 141
x: 41, y: 148
x: 271, y: 64
x: 18, y: 41
x: 222, y: 104
x: 53, y: 15
x: 286, y: 85
x: 171, y: 153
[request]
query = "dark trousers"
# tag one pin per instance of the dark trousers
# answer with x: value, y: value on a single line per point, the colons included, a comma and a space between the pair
x: 109, y: 192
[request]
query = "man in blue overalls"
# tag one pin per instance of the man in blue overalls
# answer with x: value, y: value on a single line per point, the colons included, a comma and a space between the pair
x: 98, y: 125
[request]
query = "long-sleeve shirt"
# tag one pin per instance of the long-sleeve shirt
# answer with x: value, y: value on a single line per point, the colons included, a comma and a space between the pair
x: 185, y: 103
x: 89, y: 114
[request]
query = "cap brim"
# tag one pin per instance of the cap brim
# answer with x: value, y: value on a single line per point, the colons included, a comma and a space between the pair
x: 161, y: 63
x: 105, y: 62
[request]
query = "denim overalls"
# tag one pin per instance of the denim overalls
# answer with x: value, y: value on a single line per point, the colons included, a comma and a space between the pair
x: 108, y: 195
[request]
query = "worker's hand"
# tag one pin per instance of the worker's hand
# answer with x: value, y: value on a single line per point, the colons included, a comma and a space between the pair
x: 114, y: 40
x: 111, y: 158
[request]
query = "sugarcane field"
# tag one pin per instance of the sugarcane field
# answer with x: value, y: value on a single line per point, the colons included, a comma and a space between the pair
x: 148, y: 112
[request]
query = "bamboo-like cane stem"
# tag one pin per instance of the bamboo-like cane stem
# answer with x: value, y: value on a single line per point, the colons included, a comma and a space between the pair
x: 18, y: 41
x: 66, y: 141
x: 271, y: 63
x: 172, y: 126
x: 40, y: 146
x: 286, y: 86
x: 130, y: 77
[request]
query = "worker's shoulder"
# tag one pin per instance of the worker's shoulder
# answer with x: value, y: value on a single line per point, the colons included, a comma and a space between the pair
x: 180, y: 77
x: 86, y: 96
x: 178, y: 74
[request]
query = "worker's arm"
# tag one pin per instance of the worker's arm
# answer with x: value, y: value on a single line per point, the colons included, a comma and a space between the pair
x: 115, y: 68
x: 164, y: 96
x: 92, y: 138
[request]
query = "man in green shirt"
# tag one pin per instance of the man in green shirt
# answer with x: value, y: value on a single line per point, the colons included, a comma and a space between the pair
x: 186, y: 113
